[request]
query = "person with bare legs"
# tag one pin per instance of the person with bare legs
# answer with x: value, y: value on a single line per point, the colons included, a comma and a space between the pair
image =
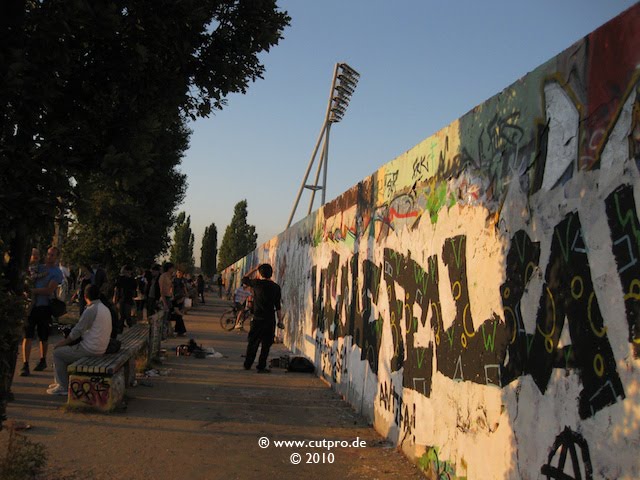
x: 39, y: 319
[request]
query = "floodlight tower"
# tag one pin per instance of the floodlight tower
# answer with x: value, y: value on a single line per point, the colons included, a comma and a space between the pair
x: 343, y: 85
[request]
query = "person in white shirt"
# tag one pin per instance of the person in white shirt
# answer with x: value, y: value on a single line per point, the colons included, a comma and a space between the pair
x: 93, y: 329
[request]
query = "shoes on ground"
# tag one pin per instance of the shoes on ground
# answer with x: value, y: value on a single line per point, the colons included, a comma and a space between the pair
x: 57, y: 390
x: 247, y: 368
x: 53, y: 385
x: 42, y: 364
x: 24, y: 371
x: 264, y: 370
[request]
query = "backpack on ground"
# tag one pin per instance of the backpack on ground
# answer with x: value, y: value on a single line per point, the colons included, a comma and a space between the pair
x: 301, y: 364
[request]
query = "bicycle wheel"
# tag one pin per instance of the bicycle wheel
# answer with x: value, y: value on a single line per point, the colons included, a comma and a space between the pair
x: 246, y: 315
x: 228, y: 320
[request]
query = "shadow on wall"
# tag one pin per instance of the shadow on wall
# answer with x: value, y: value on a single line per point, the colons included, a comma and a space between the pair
x: 480, y: 295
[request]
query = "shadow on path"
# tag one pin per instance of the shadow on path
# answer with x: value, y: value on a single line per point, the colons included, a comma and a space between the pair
x: 203, y: 420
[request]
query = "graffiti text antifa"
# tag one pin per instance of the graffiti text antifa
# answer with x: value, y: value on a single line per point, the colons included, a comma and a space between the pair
x: 499, y: 351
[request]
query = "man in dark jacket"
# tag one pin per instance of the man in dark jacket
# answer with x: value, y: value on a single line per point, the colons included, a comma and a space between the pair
x: 267, y: 298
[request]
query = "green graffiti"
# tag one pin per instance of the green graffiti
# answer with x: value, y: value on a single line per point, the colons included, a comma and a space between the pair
x: 435, y: 468
x: 489, y: 340
x: 436, y: 198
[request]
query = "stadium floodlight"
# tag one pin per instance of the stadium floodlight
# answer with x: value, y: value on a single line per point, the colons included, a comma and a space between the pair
x: 345, y: 80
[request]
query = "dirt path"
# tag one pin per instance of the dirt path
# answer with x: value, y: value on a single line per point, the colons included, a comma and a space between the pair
x: 204, y: 419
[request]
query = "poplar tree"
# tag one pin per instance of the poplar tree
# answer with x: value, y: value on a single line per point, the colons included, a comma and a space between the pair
x: 183, y: 240
x: 239, y: 238
x: 209, y: 250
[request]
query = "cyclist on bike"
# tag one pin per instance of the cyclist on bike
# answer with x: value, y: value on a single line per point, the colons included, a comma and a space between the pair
x: 241, y: 301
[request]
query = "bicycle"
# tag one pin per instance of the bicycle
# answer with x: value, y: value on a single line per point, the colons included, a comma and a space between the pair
x: 229, y: 318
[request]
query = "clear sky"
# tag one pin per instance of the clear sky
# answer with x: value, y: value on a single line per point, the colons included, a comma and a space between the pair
x: 422, y: 64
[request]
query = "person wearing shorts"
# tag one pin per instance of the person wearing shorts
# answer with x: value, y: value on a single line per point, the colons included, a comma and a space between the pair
x: 39, y: 319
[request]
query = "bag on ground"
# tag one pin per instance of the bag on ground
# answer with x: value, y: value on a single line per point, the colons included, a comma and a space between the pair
x: 301, y: 364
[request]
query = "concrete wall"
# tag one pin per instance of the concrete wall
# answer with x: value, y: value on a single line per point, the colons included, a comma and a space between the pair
x: 478, y: 297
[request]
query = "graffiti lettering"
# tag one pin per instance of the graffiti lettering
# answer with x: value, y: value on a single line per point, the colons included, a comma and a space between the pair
x: 93, y: 391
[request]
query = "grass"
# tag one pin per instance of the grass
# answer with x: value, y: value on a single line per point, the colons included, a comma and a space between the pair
x: 24, y: 459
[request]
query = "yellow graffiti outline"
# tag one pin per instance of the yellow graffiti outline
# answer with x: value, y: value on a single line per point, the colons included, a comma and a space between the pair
x: 515, y: 325
x: 435, y: 310
x: 553, y: 308
x: 598, y: 365
x: 409, y: 315
x: 456, y: 283
x: 464, y: 322
x: 533, y: 267
x: 577, y: 277
x: 633, y: 295
x: 396, y: 346
x: 548, y: 344
x: 603, y: 331
x: 463, y: 340
x: 506, y: 293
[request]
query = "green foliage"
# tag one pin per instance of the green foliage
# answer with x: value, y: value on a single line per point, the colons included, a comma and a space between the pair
x: 12, y: 311
x: 239, y: 238
x: 127, y: 218
x: 209, y: 250
x: 24, y: 460
x: 183, y: 240
x: 94, y: 97
x: 89, y: 87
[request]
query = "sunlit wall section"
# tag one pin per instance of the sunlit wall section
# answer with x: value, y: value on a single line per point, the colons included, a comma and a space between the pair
x: 478, y: 297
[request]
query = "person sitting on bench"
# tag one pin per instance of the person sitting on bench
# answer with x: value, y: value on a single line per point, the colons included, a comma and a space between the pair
x: 93, y: 330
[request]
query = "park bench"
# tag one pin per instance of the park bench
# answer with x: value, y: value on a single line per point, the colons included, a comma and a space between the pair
x: 99, y: 383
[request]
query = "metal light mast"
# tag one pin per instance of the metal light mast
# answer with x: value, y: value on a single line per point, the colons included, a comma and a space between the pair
x: 343, y: 85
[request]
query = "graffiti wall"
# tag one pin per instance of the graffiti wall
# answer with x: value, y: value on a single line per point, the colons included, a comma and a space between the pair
x: 478, y: 297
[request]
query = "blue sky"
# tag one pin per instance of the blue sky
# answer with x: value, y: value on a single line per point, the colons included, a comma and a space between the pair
x: 422, y: 65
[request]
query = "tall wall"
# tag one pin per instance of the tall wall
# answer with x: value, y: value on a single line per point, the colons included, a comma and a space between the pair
x: 478, y: 297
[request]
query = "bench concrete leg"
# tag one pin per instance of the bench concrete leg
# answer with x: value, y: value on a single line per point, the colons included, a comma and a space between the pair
x: 155, y: 336
x: 97, y: 392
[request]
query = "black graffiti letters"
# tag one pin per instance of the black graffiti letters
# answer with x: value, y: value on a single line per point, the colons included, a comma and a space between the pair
x: 347, y: 303
x: 568, y: 294
x: 625, y: 235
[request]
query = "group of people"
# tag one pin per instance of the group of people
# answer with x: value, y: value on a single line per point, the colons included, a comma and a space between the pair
x: 101, y: 318
x: 103, y: 313
x: 90, y: 336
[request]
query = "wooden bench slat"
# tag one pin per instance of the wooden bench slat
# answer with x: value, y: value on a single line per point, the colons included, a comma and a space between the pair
x: 132, y: 340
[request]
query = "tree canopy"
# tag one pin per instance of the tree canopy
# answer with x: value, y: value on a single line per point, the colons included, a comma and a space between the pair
x: 90, y: 87
x: 209, y: 250
x: 183, y: 240
x: 94, y: 99
x: 239, y: 238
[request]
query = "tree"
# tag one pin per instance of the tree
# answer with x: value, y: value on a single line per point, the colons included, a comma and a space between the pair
x: 127, y: 219
x: 91, y: 86
x: 239, y: 238
x: 183, y: 240
x: 209, y: 250
x: 88, y: 87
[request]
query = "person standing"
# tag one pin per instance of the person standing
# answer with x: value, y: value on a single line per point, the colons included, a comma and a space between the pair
x: 152, y: 289
x: 267, y: 298
x: 166, y: 296
x: 200, y: 287
x: 94, y: 330
x: 99, y: 278
x: 123, y: 293
x: 48, y: 278
x: 220, y: 285
x: 86, y: 278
